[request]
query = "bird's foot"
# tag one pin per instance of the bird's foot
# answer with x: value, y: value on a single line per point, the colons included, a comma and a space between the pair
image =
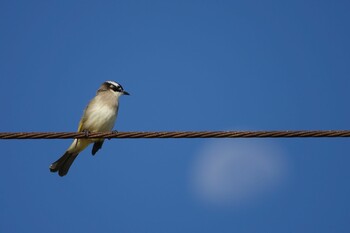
x: 114, y: 132
x: 86, y: 133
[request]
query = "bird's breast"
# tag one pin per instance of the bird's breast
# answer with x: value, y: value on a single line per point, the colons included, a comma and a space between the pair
x: 101, y: 119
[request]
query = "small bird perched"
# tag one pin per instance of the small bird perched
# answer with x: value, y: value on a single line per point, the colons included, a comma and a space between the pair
x: 99, y: 116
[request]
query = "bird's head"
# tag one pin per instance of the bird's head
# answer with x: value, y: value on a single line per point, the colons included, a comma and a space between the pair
x: 114, y: 88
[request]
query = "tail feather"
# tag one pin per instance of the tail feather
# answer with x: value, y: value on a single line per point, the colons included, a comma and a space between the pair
x: 63, y: 164
x: 97, y: 146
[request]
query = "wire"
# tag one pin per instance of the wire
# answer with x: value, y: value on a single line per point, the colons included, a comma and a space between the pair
x: 178, y: 134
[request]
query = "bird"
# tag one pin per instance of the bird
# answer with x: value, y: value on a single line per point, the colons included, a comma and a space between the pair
x: 99, y: 116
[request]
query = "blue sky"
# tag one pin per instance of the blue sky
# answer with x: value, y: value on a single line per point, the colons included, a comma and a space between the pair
x: 189, y: 65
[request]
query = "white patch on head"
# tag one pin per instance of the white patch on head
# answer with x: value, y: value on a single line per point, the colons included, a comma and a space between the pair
x: 113, y: 83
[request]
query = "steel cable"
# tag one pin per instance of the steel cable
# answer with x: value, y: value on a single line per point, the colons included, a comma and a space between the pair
x: 178, y: 134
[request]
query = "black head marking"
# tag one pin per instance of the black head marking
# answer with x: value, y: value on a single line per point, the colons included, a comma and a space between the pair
x: 116, y: 87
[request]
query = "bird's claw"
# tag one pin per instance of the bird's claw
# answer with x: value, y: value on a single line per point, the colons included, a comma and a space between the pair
x: 114, y: 132
x: 86, y: 133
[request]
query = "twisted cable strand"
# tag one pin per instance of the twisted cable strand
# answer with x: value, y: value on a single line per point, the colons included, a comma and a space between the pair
x: 178, y: 134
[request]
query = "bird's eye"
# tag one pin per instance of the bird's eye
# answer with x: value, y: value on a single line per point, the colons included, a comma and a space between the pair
x: 114, y: 88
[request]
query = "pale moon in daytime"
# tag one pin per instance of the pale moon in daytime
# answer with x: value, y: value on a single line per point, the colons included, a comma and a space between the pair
x: 234, y: 172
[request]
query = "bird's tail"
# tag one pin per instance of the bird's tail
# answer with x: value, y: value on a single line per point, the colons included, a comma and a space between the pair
x: 63, y: 164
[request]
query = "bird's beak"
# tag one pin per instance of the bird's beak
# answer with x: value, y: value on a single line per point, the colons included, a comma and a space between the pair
x: 125, y: 93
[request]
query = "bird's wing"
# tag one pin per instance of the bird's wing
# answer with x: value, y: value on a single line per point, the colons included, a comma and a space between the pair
x: 83, y: 118
x: 80, y: 128
x: 82, y: 121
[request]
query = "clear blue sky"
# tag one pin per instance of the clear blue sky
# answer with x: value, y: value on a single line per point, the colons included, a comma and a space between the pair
x: 189, y: 65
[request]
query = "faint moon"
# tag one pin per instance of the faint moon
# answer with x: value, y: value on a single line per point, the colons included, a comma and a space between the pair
x: 237, y: 171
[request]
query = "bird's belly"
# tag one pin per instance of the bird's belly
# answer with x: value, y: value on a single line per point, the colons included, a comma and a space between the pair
x: 102, y: 120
